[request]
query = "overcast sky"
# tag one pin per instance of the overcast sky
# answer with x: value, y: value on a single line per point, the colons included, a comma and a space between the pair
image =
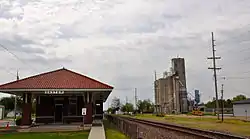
x: 122, y: 42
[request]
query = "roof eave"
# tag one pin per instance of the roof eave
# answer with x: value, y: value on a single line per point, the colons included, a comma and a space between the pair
x: 241, y: 103
x: 54, y: 89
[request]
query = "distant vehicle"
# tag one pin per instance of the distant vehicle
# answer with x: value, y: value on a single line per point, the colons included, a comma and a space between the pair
x: 12, y: 114
x: 197, y: 111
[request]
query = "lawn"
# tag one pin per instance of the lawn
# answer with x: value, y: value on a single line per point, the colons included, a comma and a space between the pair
x: 63, y: 135
x: 230, y: 125
x: 111, y: 132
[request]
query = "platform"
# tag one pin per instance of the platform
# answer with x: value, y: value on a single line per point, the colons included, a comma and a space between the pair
x: 97, y: 130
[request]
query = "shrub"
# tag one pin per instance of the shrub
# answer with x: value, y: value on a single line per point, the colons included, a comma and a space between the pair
x: 160, y: 115
x: 18, y: 121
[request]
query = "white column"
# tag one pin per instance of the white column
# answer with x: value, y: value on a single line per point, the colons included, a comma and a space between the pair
x: 87, y: 97
x: 83, y: 98
x: 26, y: 98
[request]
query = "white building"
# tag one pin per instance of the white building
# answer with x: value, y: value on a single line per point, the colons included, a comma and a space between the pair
x: 1, y: 112
x: 11, y: 114
x: 242, y: 108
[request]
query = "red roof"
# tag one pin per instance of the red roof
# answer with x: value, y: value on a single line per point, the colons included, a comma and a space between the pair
x: 58, y: 79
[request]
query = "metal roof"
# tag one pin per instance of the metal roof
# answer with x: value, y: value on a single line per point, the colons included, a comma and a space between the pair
x: 247, y: 101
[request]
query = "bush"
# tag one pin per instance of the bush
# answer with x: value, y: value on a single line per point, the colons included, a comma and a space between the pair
x: 160, y: 115
x: 18, y: 121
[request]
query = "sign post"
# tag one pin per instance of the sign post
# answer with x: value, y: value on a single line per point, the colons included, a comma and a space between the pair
x: 84, y: 110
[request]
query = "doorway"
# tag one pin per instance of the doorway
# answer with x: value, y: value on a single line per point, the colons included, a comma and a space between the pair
x: 98, y: 111
x: 58, y: 113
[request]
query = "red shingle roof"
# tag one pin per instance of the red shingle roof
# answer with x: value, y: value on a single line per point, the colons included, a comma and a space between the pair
x: 58, y: 79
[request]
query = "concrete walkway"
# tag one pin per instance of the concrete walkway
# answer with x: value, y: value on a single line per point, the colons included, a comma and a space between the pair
x: 97, y: 132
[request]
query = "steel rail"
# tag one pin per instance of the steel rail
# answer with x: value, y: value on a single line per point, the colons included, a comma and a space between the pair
x: 186, y: 130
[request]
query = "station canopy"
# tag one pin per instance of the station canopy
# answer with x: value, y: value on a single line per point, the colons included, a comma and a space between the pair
x: 61, y: 79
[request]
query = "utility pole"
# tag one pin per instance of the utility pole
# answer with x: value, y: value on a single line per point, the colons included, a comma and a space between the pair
x: 156, y: 95
x: 214, y: 68
x: 222, y: 103
x: 135, y: 98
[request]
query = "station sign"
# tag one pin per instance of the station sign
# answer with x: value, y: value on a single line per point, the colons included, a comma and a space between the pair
x: 84, y: 111
x: 53, y: 92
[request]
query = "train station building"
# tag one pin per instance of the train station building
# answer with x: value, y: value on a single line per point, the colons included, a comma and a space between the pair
x: 59, y: 97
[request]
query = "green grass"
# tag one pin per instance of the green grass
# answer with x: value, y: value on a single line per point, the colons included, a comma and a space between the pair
x: 231, y: 125
x: 111, y: 132
x: 63, y: 135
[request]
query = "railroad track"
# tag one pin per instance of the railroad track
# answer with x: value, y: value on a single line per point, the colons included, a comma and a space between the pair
x: 180, y: 131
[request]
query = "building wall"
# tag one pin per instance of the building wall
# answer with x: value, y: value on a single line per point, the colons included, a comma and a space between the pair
x: 45, y: 109
x: 165, y: 94
x: 241, y: 109
x: 171, y: 92
x: 178, y: 65
x: 1, y: 112
x: 176, y: 95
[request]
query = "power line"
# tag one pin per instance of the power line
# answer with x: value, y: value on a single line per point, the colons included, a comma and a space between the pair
x: 7, y: 71
x: 232, y: 78
x: 233, y: 50
x: 243, y: 72
x: 5, y: 48
x: 237, y: 78
x: 237, y: 90
x: 214, y: 68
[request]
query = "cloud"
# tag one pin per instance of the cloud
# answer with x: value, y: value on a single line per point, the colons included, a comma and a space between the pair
x: 17, y: 43
x: 123, y: 42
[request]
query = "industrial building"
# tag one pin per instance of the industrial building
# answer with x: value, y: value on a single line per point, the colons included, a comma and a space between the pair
x: 242, y: 108
x: 170, y: 91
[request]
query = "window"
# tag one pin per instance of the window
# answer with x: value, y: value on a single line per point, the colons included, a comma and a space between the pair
x: 72, y: 111
x: 59, y: 100
x: 72, y: 100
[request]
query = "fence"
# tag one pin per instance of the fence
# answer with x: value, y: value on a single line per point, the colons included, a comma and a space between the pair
x: 126, y: 127
x: 225, y: 110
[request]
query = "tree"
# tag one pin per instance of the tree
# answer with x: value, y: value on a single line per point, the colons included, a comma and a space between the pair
x: 140, y: 105
x: 9, y: 102
x: 128, y: 107
x: 239, y: 98
x: 115, y: 105
x: 145, y: 106
x: 227, y: 103
x: 109, y: 110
